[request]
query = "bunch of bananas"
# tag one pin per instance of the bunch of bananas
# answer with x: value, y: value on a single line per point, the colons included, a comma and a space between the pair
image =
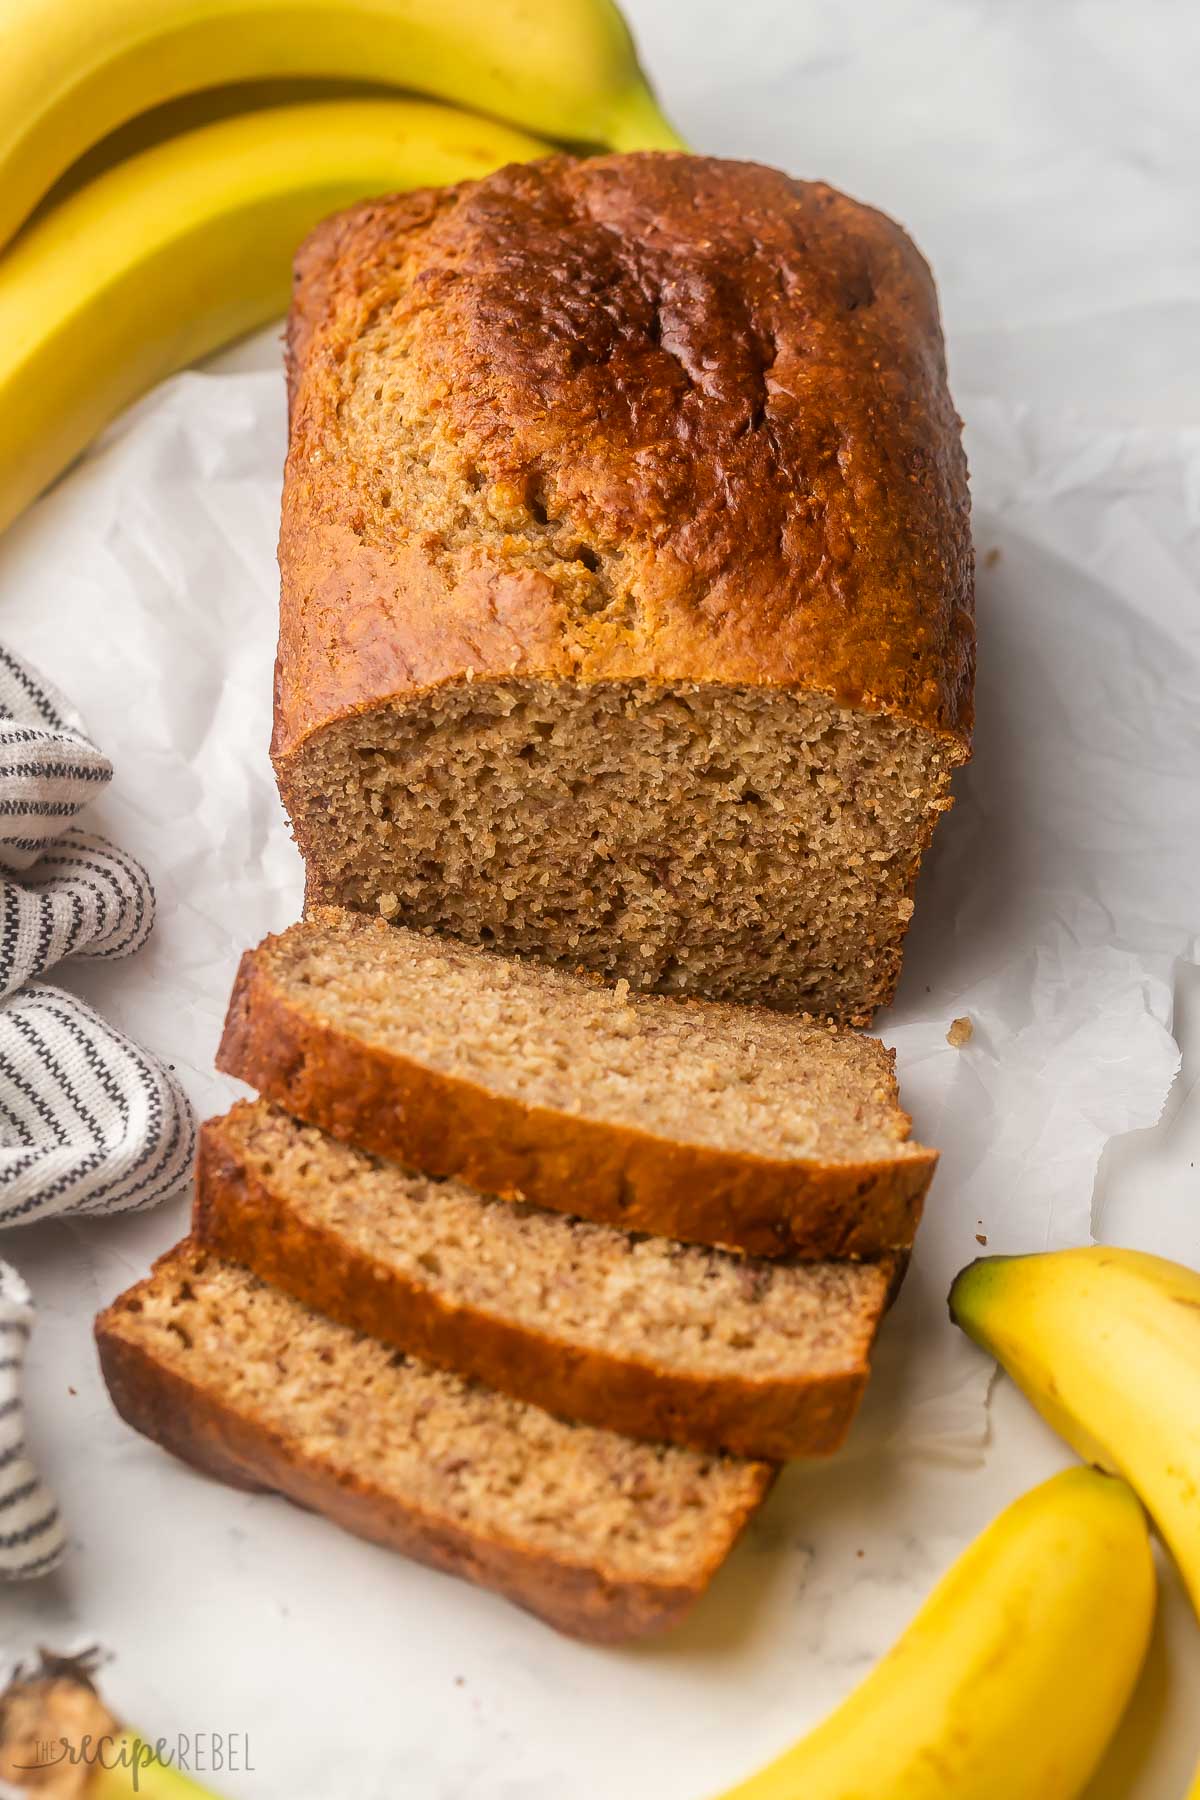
x: 1012, y: 1679
x: 141, y: 229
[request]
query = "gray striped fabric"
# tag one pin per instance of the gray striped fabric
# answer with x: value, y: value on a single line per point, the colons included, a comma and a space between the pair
x: 31, y: 1533
x: 89, y: 1123
x: 49, y: 767
x: 83, y: 897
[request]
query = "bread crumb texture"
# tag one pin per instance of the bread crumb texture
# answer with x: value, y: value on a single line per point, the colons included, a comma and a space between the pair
x: 736, y: 1078
x: 677, y: 1308
x: 627, y: 579
x: 370, y: 1417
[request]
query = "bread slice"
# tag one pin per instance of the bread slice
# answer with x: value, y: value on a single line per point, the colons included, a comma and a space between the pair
x: 643, y: 1335
x: 626, y: 613
x: 715, y: 1124
x: 603, y: 1537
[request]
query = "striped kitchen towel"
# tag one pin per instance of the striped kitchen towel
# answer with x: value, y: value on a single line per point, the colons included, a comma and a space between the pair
x: 89, y: 1123
x: 31, y: 1532
x: 83, y: 897
x: 78, y: 895
x: 49, y: 767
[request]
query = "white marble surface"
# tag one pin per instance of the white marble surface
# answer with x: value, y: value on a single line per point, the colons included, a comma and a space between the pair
x: 1046, y: 158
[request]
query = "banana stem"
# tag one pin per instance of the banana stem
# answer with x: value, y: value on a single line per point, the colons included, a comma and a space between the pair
x: 56, y: 1734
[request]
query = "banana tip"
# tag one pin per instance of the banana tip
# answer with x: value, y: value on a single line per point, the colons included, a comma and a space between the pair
x: 961, y: 1281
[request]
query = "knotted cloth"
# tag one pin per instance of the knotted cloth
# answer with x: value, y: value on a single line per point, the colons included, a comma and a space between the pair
x: 89, y: 1123
x: 31, y: 1533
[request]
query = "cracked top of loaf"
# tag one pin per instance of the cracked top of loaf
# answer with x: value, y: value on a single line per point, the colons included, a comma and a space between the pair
x: 642, y: 417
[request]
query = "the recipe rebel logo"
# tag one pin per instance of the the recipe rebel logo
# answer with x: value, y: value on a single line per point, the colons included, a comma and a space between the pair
x: 192, y: 1753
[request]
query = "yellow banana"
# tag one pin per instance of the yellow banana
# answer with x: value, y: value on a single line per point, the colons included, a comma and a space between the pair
x: 58, y: 1737
x: 1106, y: 1344
x: 172, y: 253
x: 1011, y: 1679
x: 73, y: 70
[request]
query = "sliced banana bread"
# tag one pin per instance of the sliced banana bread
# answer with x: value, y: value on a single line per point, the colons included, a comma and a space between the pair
x: 626, y: 610
x: 716, y: 1124
x: 643, y: 1335
x: 603, y: 1537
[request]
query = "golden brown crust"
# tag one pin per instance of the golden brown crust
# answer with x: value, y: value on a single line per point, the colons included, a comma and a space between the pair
x: 206, y: 1430
x: 591, y: 1168
x: 240, y: 1216
x: 732, y: 381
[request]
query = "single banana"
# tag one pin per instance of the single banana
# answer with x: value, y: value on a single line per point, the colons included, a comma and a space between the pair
x: 73, y: 70
x: 1106, y: 1344
x: 58, y: 1738
x: 176, y: 251
x: 1012, y: 1677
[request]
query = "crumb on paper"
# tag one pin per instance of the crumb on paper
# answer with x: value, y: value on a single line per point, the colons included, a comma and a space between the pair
x: 961, y: 1032
x: 981, y: 1238
x: 992, y: 557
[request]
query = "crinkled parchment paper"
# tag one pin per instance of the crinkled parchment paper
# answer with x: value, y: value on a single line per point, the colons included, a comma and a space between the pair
x: 1058, y: 896
x: 1057, y: 902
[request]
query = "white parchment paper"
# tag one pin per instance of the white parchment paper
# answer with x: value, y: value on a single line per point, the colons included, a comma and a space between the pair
x: 1057, y: 904
x: 1058, y: 896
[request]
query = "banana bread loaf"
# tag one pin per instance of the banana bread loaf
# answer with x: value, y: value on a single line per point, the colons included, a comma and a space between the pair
x: 642, y: 1335
x: 718, y: 1124
x: 626, y: 574
x: 603, y: 1537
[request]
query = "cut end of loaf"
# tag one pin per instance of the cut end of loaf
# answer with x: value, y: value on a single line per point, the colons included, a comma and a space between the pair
x: 626, y: 614
x: 748, y: 844
x: 601, y: 1535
